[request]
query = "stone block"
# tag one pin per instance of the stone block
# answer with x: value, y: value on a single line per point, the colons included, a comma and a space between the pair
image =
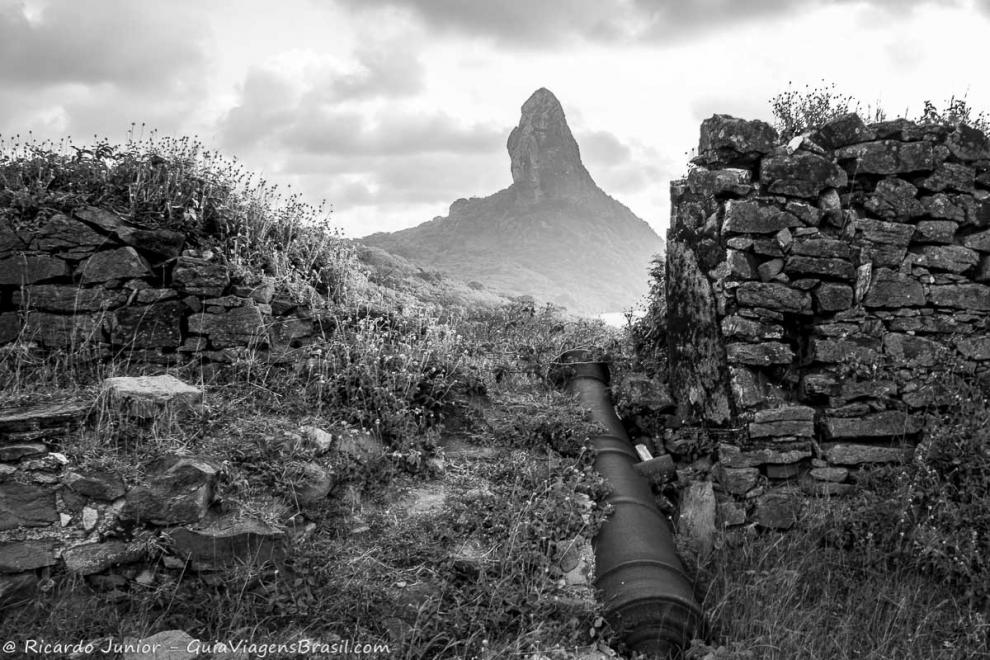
x: 20, y: 556
x: 754, y: 217
x: 950, y: 176
x: 801, y: 174
x: 890, y: 423
x: 840, y: 350
x: 894, y: 198
x: 974, y: 348
x: 855, y: 454
x: 739, y: 327
x: 26, y: 505
x: 778, y: 510
x: 772, y: 295
x: 887, y: 157
x: 737, y: 481
x: 824, y: 248
x: 832, y: 297
x: 881, y: 232
x: 239, y: 326
x: 733, y: 457
x: 90, y: 558
x: 200, y: 277
x: 148, y: 326
x: 29, y: 269
x: 818, y: 267
x: 974, y: 297
x: 68, y: 299
x: 782, y: 428
x: 120, y: 264
x: 764, y: 354
x: 951, y: 258
x: 727, y: 141
x: 935, y: 231
x: 892, y: 289
x: 979, y: 241
x: 68, y: 238
x: 844, y: 130
x: 968, y: 144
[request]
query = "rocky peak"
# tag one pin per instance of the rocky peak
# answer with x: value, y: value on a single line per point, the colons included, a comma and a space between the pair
x: 545, y: 158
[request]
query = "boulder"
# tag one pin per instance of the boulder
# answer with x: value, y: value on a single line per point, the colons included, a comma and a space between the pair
x: 95, y: 484
x: 180, y: 492
x: 227, y: 541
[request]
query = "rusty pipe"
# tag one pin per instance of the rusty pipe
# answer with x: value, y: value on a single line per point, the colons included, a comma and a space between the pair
x: 646, y: 595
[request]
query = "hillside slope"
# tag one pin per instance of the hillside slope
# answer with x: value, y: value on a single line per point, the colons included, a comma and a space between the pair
x: 553, y: 234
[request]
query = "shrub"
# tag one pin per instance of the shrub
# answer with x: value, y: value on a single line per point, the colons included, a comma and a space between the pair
x: 933, y: 515
x: 648, y: 333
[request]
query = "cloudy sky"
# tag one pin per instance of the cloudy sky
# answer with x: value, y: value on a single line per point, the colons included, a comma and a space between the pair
x: 392, y: 109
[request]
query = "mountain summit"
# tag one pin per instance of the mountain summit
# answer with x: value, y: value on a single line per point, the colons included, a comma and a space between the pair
x: 553, y: 234
x: 545, y: 159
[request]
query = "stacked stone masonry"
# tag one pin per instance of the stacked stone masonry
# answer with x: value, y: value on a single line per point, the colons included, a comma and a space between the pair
x: 819, y: 290
x: 91, y: 282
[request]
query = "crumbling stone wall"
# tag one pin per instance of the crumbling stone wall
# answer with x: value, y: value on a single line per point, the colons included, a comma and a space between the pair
x: 90, y: 282
x: 818, y: 290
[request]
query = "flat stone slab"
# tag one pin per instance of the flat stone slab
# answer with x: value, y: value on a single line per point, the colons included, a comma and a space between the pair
x: 147, y: 396
x: 41, y: 416
x: 854, y: 454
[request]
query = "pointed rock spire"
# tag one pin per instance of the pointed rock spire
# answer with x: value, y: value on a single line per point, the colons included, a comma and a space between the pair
x: 545, y: 158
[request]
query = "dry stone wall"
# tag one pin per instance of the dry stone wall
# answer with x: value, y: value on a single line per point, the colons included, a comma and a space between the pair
x: 90, y: 282
x: 818, y: 291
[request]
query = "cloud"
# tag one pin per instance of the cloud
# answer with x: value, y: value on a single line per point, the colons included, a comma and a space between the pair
x: 391, y: 70
x: 601, y: 147
x: 98, y: 42
x: 276, y: 112
x: 549, y: 22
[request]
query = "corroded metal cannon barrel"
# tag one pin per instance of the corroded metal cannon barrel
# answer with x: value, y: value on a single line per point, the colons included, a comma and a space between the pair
x: 647, y: 597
